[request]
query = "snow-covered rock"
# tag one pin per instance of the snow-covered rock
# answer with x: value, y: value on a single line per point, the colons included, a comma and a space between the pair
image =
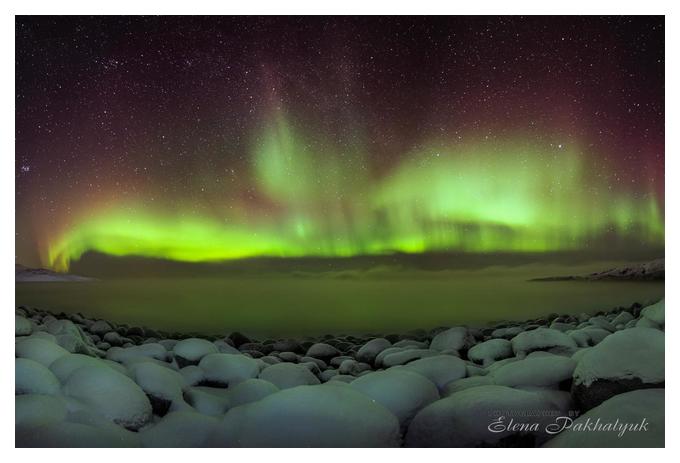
x: 192, y: 374
x: 207, y: 400
x: 111, y: 393
x: 22, y: 327
x: 191, y: 351
x: 545, y: 339
x: 645, y: 407
x: 73, y: 435
x: 64, y: 366
x: 34, y: 410
x: 401, y: 391
x: 352, y: 367
x: 179, y: 429
x: 655, y: 313
x: 40, y: 350
x: 31, y: 377
x: 322, y: 351
x: 466, y: 383
x: 626, y: 360
x: 309, y: 416
x: 125, y: 354
x: 162, y: 385
x: 440, y: 369
x: 407, y: 355
x: 487, y: 352
x: 250, y: 390
x: 224, y: 370
x: 368, y: 352
x: 463, y: 419
x: 540, y: 371
x: 287, y: 375
x: 453, y: 339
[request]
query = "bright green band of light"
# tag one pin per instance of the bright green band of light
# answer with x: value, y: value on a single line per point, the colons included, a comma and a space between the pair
x: 483, y: 197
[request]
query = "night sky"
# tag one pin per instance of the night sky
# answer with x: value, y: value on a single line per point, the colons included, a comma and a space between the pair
x: 203, y: 139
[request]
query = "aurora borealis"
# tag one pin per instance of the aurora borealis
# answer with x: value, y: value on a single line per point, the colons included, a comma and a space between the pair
x: 209, y: 139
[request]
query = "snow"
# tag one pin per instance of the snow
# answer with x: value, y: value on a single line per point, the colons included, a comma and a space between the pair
x: 453, y: 339
x: 250, y: 390
x: 287, y: 375
x: 466, y: 383
x: 191, y: 351
x: 543, y: 370
x: 207, y: 401
x: 309, y: 416
x: 401, y: 391
x: 440, y: 369
x: 34, y: 410
x: 31, y: 377
x: 368, y: 352
x: 406, y: 356
x: 179, y: 429
x: 630, y: 408
x: 228, y: 369
x: 631, y: 353
x: 352, y: 367
x: 463, y: 418
x: 157, y: 381
x: 487, y: 352
x: 64, y: 367
x: 655, y: 312
x: 22, y: 327
x: 40, y: 350
x: 192, y: 374
x: 113, y: 394
x: 73, y: 435
x: 542, y: 339
x: 125, y: 354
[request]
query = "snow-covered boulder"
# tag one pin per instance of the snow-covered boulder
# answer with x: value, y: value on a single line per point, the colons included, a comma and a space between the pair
x: 536, y: 370
x: 309, y: 416
x: 191, y: 351
x: 64, y: 366
x: 507, y: 332
x: 31, y: 377
x: 407, y: 355
x: 622, y: 318
x: 368, y: 352
x: 642, y: 410
x: 487, y: 352
x: 192, y: 374
x: 453, y: 339
x: 250, y: 390
x: 322, y: 351
x: 179, y: 429
x: 206, y: 400
x: 111, y: 393
x: 626, y: 360
x: 40, y: 350
x: 352, y: 367
x: 440, y: 369
x: 466, y: 383
x: 34, y: 410
x: 126, y: 354
x: 224, y: 348
x: 401, y: 391
x: 162, y: 385
x: 22, y: 327
x: 287, y: 375
x: 655, y: 313
x: 224, y: 370
x: 73, y: 435
x: 470, y: 418
x: 544, y: 339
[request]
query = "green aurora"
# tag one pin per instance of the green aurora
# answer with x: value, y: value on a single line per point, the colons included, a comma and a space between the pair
x: 318, y: 198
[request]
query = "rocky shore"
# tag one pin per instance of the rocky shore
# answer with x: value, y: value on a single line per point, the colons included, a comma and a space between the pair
x: 546, y: 382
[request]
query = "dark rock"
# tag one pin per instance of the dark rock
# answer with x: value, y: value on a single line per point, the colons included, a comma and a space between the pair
x: 238, y: 338
x: 587, y: 397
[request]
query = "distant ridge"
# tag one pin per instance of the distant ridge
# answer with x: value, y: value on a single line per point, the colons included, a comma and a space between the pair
x: 25, y: 274
x: 648, y: 271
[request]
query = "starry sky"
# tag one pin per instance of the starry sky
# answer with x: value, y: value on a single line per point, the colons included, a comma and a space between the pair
x: 201, y: 139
